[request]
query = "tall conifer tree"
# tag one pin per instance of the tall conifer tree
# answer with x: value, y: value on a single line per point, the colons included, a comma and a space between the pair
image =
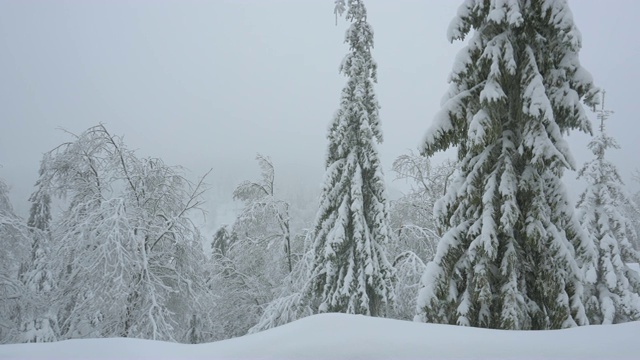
x: 612, y: 288
x: 39, y: 315
x: 507, y: 258
x: 350, y: 272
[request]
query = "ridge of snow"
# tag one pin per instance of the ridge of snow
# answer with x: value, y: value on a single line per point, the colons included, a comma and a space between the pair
x: 341, y: 336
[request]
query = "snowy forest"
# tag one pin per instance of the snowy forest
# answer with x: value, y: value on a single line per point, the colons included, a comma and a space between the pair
x: 114, y: 243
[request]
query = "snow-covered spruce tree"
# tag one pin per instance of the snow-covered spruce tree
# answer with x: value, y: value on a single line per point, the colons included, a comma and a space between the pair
x: 15, y: 243
x: 39, y: 315
x: 350, y: 272
x: 632, y: 211
x: 611, y: 287
x: 507, y: 256
x: 221, y: 242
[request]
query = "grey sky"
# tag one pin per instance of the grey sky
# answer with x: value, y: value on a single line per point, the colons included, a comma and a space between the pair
x: 211, y: 83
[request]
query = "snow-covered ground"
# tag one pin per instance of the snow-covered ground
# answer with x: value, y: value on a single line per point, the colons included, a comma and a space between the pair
x: 339, y: 336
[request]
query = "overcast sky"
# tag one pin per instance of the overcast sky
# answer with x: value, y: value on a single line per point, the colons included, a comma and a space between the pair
x: 208, y: 84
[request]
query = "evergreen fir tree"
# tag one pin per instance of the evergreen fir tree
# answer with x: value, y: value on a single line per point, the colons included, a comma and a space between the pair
x: 40, y: 318
x: 507, y: 257
x: 222, y: 240
x: 611, y: 290
x: 15, y: 243
x: 350, y: 272
x: 40, y: 212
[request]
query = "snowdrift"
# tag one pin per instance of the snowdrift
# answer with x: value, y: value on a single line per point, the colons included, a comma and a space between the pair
x: 340, y: 336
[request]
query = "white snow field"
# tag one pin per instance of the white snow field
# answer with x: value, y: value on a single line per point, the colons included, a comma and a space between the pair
x: 340, y: 336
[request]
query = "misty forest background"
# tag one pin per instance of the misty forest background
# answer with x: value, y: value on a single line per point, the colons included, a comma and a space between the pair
x: 116, y: 244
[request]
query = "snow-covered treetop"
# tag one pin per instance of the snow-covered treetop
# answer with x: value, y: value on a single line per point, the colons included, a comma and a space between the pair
x: 251, y: 190
x: 524, y: 48
x: 600, y: 170
x: 602, y: 142
x: 358, y: 105
x: 359, y: 61
x: 340, y: 7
